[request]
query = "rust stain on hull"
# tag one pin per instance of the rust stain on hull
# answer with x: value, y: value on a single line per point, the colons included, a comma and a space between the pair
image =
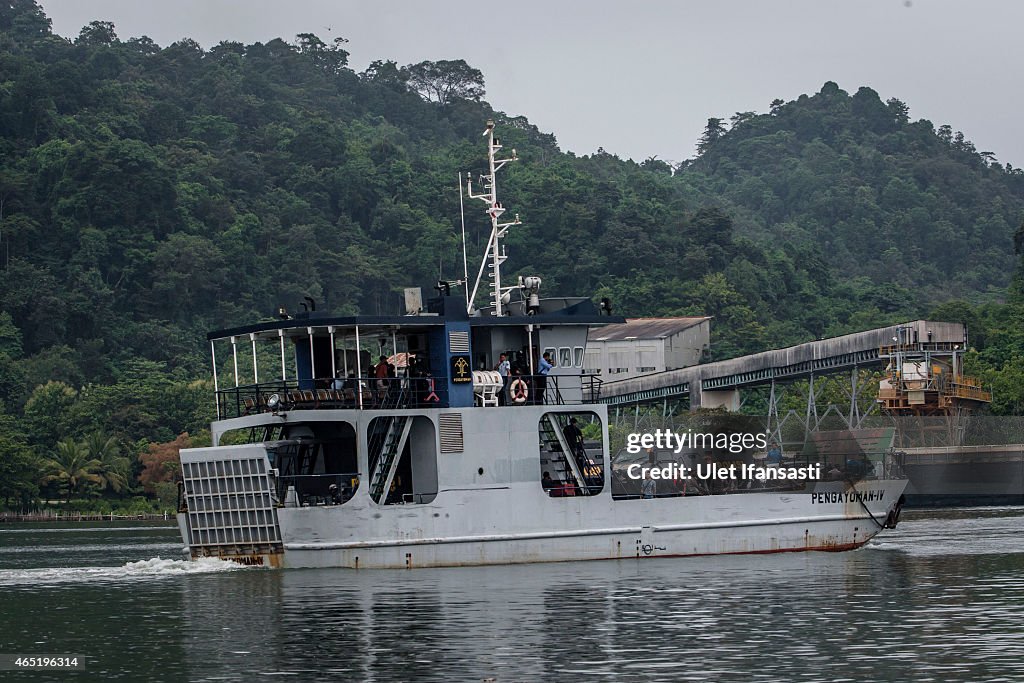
x: 826, y: 547
x: 273, y: 560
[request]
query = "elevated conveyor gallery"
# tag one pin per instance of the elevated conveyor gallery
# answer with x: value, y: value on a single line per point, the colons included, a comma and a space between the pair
x: 717, y: 384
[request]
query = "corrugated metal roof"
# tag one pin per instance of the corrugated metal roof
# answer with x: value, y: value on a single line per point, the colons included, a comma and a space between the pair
x: 644, y: 328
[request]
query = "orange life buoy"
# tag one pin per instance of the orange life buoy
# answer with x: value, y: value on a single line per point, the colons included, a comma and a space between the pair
x: 518, y: 391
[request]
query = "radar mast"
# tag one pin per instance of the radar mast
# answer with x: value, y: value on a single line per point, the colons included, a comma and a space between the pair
x: 494, y: 252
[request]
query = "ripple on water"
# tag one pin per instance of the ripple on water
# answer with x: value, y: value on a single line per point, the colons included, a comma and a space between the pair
x: 154, y: 568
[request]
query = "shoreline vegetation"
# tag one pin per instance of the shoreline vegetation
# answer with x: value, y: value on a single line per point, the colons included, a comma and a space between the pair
x: 51, y: 516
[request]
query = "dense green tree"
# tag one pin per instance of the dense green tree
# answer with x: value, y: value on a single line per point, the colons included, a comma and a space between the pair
x: 23, y: 19
x: 1017, y: 286
x: 71, y: 467
x: 97, y: 33
x: 19, y: 468
x: 114, y: 470
x: 331, y: 58
x: 387, y: 73
x: 713, y: 131
x: 48, y: 414
x: 446, y: 81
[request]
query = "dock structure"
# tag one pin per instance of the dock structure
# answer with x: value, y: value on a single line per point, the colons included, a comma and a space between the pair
x: 718, y: 384
x: 965, y: 475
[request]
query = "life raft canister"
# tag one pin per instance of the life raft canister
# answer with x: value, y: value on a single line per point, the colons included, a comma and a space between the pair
x: 518, y: 391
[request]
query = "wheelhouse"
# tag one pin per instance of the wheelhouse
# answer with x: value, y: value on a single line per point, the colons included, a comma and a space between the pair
x: 440, y: 358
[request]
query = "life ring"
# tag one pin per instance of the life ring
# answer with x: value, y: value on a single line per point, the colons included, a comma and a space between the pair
x: 518, y: 391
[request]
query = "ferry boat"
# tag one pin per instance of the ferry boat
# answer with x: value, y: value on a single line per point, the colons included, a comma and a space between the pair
x: 469, y: 436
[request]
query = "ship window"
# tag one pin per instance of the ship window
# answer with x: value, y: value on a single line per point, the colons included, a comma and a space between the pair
x: 565, y: 357
x: 234, y: 437
x: 571, y: 454
x: 315, y: 463
x: 402, y: 459
x: 577, y: 356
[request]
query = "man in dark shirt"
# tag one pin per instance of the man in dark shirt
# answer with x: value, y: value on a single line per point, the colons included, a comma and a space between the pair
x: 574, y: 437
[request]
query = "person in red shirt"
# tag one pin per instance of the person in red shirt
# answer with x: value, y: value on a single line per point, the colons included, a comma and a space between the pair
x: 381, y: 372
x: 568, y: 487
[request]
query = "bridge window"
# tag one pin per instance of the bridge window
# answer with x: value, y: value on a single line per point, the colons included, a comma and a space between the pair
x: 402, y: 459
x: 565, y: 357
x: 577, y: 356
x: 571, y: 454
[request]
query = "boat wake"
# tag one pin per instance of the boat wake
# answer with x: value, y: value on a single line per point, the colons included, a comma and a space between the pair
x: 142, y: 570
x: 882, y: 545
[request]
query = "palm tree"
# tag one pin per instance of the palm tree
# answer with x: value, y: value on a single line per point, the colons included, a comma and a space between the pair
x: 113, y: 469
x: 71, y: 466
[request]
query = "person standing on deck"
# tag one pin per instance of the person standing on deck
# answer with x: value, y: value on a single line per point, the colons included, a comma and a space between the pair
x: 574, y: 437
x: 504, y: 369
x: 543, y: 368
x: 380, y: 371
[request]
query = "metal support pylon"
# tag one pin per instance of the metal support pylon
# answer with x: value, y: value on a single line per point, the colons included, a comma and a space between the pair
x: 812, y: 407
x: 774, y: 426
x: 854, y: 420
x: 857, y: 414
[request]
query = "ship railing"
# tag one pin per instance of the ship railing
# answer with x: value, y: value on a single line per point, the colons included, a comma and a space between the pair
x: 561, y: 389
x: 308, y: 490
x: 352, y: 393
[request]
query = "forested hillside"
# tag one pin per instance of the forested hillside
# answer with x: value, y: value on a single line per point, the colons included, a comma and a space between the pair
x: 149, y: 194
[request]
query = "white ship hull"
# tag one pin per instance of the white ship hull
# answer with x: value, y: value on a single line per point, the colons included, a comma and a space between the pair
x: 504, y: 516
x: 667, y: 527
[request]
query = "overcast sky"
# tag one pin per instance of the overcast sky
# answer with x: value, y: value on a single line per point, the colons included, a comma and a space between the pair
x: 640, y: 79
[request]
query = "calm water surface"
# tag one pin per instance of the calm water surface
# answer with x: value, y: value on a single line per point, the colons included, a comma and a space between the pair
x: 939, y: 599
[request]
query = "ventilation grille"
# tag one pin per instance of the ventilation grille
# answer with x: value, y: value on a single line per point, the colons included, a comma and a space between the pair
x: 458, y: 342
x: 229, y: 502
x: 451, y: 433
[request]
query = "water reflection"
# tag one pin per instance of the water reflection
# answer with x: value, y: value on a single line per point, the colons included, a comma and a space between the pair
x: 937, y: 600
x: 902, y: 608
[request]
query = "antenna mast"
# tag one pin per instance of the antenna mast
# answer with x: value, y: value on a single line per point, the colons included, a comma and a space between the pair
x: 494, y: 251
